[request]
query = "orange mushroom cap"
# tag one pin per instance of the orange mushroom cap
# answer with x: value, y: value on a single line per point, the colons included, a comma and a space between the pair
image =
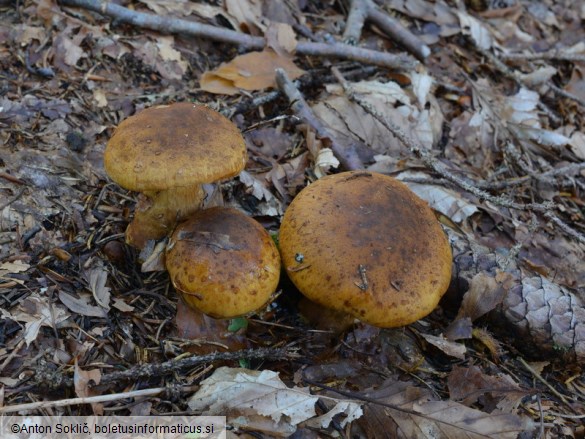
x: 363, y: 243
x: 223, y: 262
x: 174, y: 145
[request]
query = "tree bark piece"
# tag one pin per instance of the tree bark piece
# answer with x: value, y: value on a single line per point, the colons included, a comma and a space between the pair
x: 175, y: 25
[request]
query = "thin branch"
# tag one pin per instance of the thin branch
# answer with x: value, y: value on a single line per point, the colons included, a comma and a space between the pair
x: 175, y: 25
x: 39, y: 405
x: 554, y: 54
x: 345, y: 153
x: 160, y: 369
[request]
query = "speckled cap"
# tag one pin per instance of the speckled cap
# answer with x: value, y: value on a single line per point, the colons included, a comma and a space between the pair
x: 223, y: 262
x: 174, y: 145
x: 363, y: 243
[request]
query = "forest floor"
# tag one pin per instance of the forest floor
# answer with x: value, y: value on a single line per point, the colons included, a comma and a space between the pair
x: 478, y: 106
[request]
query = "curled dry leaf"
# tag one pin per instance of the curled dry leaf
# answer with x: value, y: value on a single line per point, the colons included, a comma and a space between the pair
x: 281, y: 38
x: 476, y: 30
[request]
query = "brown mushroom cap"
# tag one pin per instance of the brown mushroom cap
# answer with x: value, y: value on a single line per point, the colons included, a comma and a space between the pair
x: 174, y: 145
x: 363, y: 243
x: 225, y: 263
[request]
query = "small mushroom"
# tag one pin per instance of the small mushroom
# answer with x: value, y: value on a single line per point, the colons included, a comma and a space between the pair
x: 370, y: 246
x: 224, y: 263
x: 167, y: 153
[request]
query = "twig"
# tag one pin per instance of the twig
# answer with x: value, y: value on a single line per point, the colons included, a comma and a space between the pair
x: 363, y: 10
x: 543, y: 381
x: 11, y: 178
x: 554, y: 54
x: 566, y: 94
x: 345, y: 153
x: 13, y: 199
x: 76, y: 401
x: 165, y: 24
x: 160, y: 369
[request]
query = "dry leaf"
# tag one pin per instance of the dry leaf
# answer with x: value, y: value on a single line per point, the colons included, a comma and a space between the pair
x: 37, y: 311
x: 81, y: 306
x: 252, y: 71
x: 439, y: 419
x: 443, y: 200
x: 484, y: 294
x: 450, y: 348
x: 82, y: 380
x: 259, y: 400
x: 97, y: 277
x: 468, y: 384
x: 122, y: 306
x: 476, y: 30
x: 8, y: 268
x: 248, y: 14
x: 281, y: 38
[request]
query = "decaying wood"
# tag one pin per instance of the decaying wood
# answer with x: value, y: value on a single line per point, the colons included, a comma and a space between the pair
x: 546, y: 319
x: 176, y: 25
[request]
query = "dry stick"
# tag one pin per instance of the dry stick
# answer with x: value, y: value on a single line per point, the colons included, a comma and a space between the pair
x: 566, y: 94
x: 159, y: 369
x: 363, y: 10
x: 346, y: 154
x: 419, y: 151
x: 39, y: 405
x: 554, y: 54
x: 176, y: 25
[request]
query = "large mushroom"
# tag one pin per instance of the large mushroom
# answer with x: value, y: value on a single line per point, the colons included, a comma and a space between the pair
x: 223, y: 263
x: 364, y: 244
x: 167, y: 153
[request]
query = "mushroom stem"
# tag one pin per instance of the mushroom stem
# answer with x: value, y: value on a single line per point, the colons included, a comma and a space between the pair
x: 157, y: 213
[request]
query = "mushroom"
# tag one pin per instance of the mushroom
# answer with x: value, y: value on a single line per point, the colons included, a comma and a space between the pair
x: 167, y: 153
x: 363, y: 243
x: 224, y: 263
